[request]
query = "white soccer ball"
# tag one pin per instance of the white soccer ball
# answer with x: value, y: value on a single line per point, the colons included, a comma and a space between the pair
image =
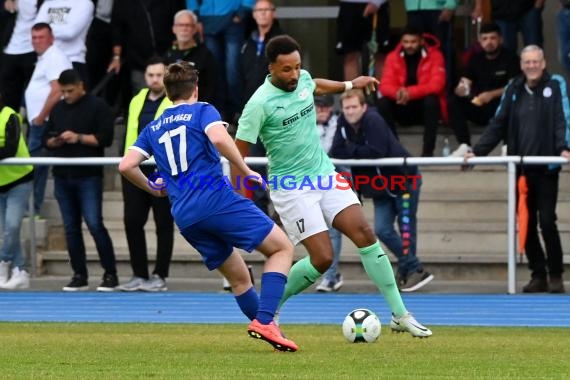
x: 361, y: 325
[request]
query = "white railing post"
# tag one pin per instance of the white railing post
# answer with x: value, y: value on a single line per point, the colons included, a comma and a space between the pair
x: 511, y: 232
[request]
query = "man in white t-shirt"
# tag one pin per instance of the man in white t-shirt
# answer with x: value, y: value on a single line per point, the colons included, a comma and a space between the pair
x: 18, y: 58
x: 70, y: 21
x: 42, y: 93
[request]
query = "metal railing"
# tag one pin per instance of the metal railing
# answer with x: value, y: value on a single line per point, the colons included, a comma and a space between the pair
x: 510, y: 163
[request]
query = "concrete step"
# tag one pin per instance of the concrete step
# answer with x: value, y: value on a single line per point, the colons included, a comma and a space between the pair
x: 189, y: 265
x: 361, y: 285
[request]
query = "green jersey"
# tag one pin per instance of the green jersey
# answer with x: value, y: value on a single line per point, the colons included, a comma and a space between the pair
x: 286, y: 124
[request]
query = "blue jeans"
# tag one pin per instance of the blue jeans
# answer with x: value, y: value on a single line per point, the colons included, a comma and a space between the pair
x: 82, y: 198
x: 530, y: 25
x: 13, y: 204
x: 336, y: 241
x: 388, y: 209
x: 35, y: 135
x: 225, y: 46
x: 563, y: 20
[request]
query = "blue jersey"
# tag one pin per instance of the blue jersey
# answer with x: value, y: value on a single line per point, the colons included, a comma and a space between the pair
x: 187, y: 161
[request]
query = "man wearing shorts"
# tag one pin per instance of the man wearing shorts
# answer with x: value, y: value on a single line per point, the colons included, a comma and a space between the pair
x: 305, y: 188
x: 185, y: 142
x: 354, y: 30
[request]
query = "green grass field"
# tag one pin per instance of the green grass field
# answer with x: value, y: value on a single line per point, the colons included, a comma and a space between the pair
x: 137, y: 351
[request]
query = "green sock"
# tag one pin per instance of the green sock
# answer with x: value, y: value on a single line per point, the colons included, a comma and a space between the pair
x: 379, y: 269
x: 302, y: 275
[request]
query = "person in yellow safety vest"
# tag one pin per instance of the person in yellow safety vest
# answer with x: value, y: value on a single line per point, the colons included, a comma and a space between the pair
x: 145, y: 107
x: 15, y: 189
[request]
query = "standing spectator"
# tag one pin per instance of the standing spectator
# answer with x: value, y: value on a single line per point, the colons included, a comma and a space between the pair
x: 563, y: 24
x: 514, y: 16
x: 362, y: 133
x: 15, y: 189
x: 532, y: 120
x: 99, y: 44
x: 435, y: 17
x: 254, y: 66
x: 69, y: 20
x: 145, y: 107
x: 355, y: 28
x: 141, y: 29
x: 326, y: 124
x: 42, y: 93
x: 19, y: 56
x: 186, y: 48
x: 413, y: 86
x: 81, y: 125
x: 222, y: 23
x: 479, y: 90
x: 213, y: 221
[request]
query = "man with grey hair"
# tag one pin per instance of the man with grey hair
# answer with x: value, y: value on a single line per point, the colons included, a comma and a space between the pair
x: 188, y: 48
x: 532, y: 118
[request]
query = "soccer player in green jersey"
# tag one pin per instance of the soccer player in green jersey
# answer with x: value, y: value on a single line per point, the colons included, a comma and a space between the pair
x: 281, y: 113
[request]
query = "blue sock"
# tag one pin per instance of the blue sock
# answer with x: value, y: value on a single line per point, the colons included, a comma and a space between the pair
x: 248, y: 302
x: 272, y: 287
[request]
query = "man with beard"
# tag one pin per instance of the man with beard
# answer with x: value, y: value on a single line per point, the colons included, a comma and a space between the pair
x: 282, y: 114
x: 413, y: 85
x: 479, y: 90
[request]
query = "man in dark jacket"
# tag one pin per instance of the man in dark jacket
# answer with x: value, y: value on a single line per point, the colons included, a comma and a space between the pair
x: 186, y: 48
x: 362, y: 133
x: 141, y: 29
x: 514, y: 16
x: 532, y: 119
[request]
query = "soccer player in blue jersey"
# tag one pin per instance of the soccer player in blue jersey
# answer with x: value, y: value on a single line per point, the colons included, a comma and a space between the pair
x: 281, y: 113
x: 185, y: 142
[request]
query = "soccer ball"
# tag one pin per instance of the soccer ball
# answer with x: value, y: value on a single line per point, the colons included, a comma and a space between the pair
x: 361, y: 325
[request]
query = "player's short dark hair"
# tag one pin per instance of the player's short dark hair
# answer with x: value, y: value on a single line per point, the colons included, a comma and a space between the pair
x: 42, y: 25
x: 180, y: 80
x: 155, y: 60
x: 70, y: 76
x: 279, y: 45
x: 490, y: 27
x: 411, y: 30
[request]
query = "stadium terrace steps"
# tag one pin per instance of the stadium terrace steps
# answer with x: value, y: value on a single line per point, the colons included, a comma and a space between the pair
x: 462, y: 231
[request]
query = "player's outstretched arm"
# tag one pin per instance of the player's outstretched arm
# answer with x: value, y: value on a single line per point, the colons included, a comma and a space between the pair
x: 130, y: 169
x: 327, y: 86
x: 227, y: 147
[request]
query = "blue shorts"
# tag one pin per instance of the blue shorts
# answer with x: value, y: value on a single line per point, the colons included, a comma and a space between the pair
x: 241, y: 224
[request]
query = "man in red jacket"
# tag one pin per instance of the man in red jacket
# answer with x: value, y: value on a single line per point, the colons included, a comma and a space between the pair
x: 413, y: 85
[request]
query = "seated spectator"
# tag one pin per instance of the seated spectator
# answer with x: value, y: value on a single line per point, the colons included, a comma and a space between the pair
x: 186, y: 48
x: 479, y: 90
x: 15, y: 190
x: 362, y: 133
x: 413, y: 85
x: 326, y: 123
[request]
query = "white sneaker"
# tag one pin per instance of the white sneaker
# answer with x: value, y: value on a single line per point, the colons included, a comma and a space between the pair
x: 461, y: 151
x: 154, y: 284
x: 4, y: 272
x: 408, y: 323
x: 20, y: 280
